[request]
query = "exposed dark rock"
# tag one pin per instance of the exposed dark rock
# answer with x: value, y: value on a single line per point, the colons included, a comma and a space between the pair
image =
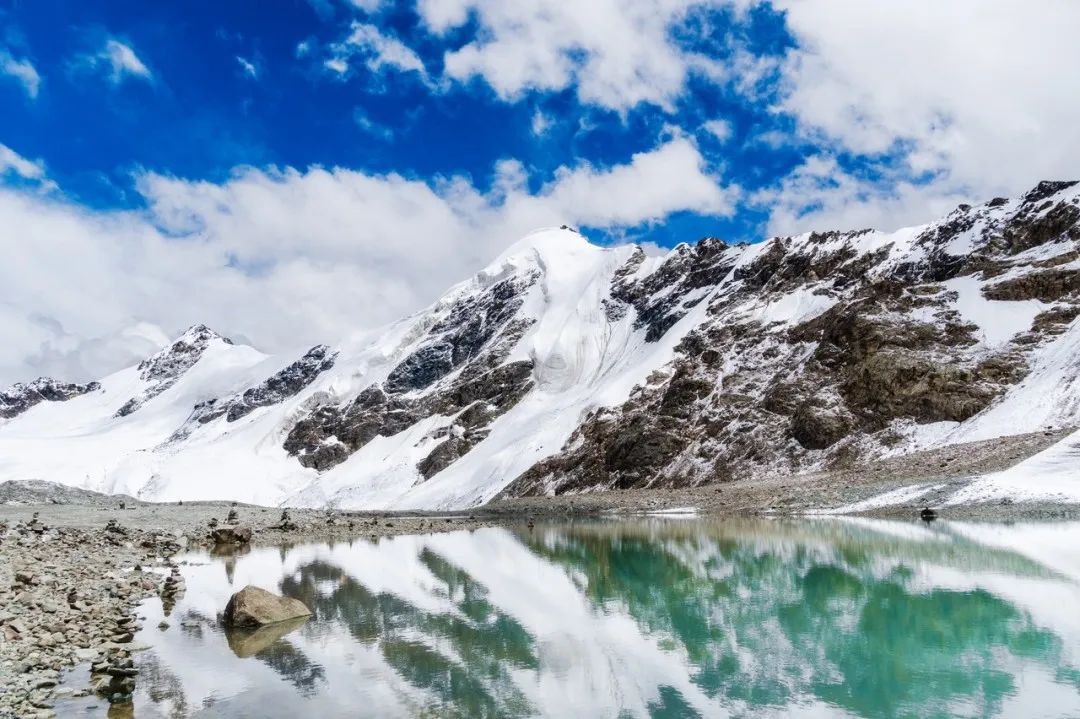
x: 276, y: 388
x: 460, y: 336
x: 284, y: 384
x: 1046, y: 286
x: 820, y: 427
x: 1047, y: 188
x: 665, y: 296
x: 741, y: 397
x: 460, y: 368
x: 20, y: 397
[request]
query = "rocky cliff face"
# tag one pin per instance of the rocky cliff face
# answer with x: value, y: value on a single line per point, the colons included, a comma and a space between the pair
x: 565, y: 367
x: 470, y: 341
x: 20, y: 397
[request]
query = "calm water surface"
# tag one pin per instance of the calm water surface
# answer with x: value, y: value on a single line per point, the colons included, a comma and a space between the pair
x: 650, y: 618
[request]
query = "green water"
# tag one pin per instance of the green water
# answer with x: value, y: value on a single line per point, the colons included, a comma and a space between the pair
x: 656, y: 618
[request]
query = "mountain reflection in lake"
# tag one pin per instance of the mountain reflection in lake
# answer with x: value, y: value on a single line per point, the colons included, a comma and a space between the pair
x: 660, y: 618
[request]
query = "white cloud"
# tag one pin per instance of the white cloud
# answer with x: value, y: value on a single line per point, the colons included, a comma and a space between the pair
x: 541, y: 123
x: 337, y: 65
x: 377, y: 50
x: 981, y: 95
x: 248, y: 67
x: 21, y: 70
x: 617, y: 54
x: 120, y: 62
x: 820, y: 195
x: 289, y: 258
x: 720, y: 130
x: 13, y: 162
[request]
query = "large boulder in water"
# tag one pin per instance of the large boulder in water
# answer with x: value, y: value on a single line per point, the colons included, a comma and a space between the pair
x: 231, y: 535
x: 255, y: 607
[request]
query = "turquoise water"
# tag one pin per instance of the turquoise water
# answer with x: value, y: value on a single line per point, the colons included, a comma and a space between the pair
x: 649, y: 618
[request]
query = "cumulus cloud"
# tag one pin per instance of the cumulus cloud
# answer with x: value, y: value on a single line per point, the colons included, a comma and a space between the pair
x: 22, y: 71
x: 289, y: 257
x: 119, y: 62
x: 616, y: 54
x: 967, y: 98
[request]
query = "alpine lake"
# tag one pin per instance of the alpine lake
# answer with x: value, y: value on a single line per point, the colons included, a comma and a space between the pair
x: 649, y: 617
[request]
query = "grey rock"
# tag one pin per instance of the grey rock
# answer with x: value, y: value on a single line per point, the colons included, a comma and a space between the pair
x: 253, y: 606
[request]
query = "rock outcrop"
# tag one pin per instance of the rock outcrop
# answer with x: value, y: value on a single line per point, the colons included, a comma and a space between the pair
x: 458, y: 371
x: 20, y: 397
x: 273, y: 390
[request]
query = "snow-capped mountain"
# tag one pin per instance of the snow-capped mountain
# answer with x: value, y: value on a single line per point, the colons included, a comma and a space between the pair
x: 564, y: 366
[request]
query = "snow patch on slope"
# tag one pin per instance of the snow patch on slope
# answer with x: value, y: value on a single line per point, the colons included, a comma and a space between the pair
x: 1052, y: 475
x: 998, y: 321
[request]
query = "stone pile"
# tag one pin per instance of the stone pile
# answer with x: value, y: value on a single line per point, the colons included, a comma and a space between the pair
x: 171, y: 590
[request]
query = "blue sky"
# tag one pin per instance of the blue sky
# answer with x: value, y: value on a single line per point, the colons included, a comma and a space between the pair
x: 294, y: 171
x: 235, y: 84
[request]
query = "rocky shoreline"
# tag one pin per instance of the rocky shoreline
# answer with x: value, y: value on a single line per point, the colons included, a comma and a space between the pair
x: 72, y: 577
x: 74, y: 567
x: 68, y: 597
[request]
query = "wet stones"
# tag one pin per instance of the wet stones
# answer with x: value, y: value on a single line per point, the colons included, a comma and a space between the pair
x: 114, y: 677
x: 172, y: 589
x: 67, y: 596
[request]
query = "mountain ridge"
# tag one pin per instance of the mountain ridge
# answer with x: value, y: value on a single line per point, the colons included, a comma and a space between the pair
x: 568, y: 367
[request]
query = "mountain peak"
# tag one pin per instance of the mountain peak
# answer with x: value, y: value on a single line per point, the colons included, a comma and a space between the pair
x: 199, y: 333
x: 161, y: 370
x: 548, y: 245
